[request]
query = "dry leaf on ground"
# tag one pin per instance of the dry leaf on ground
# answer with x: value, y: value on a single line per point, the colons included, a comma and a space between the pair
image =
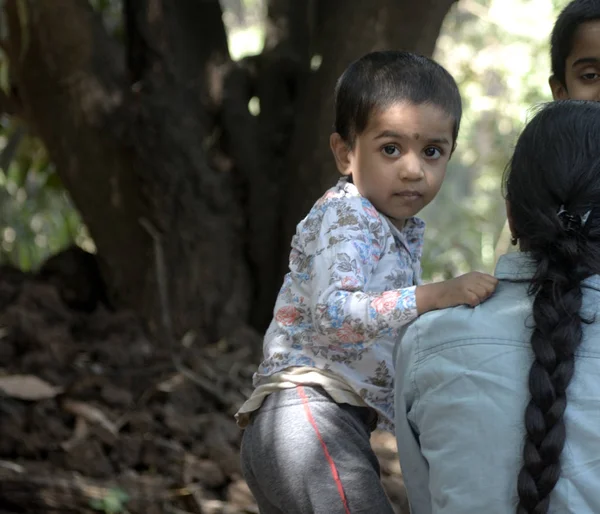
x: 27, y: 387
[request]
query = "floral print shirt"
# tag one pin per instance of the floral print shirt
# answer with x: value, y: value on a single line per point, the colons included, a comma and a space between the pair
x: 350, y: 288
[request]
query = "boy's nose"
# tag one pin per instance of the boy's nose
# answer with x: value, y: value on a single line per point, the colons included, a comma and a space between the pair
x: 411, y: 168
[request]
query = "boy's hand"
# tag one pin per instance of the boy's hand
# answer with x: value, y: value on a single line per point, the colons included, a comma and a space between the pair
x: 469, y: 289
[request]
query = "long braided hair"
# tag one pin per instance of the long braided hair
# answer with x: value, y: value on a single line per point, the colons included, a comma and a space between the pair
x: 553, y: 189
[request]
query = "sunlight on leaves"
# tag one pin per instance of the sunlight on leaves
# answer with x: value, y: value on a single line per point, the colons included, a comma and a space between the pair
x: 498, y: 51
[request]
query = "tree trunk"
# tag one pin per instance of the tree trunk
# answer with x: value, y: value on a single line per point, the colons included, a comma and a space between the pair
x: 157, y: 137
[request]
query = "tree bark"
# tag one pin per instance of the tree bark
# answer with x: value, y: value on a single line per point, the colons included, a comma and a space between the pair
x: 132, y: 152
x: 282, y: 72
x: 158, y: 132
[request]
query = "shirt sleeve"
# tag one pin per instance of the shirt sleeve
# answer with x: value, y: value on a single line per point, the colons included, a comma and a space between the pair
x: 347, y: 249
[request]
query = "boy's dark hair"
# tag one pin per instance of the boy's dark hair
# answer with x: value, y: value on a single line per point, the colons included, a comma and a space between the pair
x: 553, y: 186
x: 380, y: 79
x: 572, y: 16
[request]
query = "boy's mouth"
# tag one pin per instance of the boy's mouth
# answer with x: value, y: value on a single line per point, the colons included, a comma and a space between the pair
x: 409, y: 194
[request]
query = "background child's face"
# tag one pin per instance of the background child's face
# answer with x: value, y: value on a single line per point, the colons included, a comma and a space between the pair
x: 582, y: 70
x: 399, y: 161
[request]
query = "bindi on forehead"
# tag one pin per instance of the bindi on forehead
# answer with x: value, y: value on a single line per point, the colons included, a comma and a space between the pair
x: 416, y: 136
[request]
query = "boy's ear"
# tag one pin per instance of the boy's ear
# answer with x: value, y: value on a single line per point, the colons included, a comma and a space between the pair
x: 559, y: 91
x: 342, y: 154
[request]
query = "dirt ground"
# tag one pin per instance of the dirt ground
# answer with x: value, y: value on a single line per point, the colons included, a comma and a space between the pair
x: 93, y: 418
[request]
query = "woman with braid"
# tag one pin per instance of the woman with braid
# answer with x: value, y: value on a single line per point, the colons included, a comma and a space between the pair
x: 498, y: 407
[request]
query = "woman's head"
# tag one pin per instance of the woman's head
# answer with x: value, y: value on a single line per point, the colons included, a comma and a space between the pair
x: 556, y: 164
x: 553, y: 195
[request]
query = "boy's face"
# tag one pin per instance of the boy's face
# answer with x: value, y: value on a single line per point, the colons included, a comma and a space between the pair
x: 582, y: 69
x: 399, y: 161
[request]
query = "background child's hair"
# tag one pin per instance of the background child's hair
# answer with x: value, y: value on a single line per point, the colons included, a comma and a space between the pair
x: 567, y: 23
x: 380, y: 79
x: 556, y: 163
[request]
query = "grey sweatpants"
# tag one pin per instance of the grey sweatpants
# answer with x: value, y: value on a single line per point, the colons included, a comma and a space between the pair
x: 302, y: 453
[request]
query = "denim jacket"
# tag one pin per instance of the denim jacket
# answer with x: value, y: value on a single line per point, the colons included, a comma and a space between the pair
x: 460, y: 395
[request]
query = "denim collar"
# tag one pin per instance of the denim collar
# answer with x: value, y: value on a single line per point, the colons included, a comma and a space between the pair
x: 515, y: 266
x: 520, y: 266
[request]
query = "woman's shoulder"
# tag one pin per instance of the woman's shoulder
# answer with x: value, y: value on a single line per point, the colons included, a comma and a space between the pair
x: 501, y: 318
x: 505, y: 318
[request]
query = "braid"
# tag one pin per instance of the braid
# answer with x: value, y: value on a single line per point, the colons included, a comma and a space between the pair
x: 556, y: 336
x: 553, y: 190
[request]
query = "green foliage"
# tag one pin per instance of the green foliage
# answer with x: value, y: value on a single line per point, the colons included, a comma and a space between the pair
x: 36, y: 215
x: 111, y: 12
x: 113, y: 503
x: 499, y: 54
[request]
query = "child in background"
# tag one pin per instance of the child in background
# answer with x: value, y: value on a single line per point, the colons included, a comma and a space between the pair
x: 326, y: 378
x: 575, y: 52
x: 575, y: 60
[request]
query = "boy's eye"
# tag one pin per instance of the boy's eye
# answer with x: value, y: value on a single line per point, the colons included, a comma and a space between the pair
x: 431, y: 152
x: 391, y: 150
x: 590, y: 76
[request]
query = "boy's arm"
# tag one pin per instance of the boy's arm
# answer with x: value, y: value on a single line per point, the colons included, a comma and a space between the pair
x: 345, y: 257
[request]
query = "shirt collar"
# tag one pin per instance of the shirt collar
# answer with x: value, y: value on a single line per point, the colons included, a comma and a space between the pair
x: 413, y: 229
x: 348, y: 187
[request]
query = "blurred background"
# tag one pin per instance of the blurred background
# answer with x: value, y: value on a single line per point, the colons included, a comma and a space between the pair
x: 497, y: 51
x: 155, y: 157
